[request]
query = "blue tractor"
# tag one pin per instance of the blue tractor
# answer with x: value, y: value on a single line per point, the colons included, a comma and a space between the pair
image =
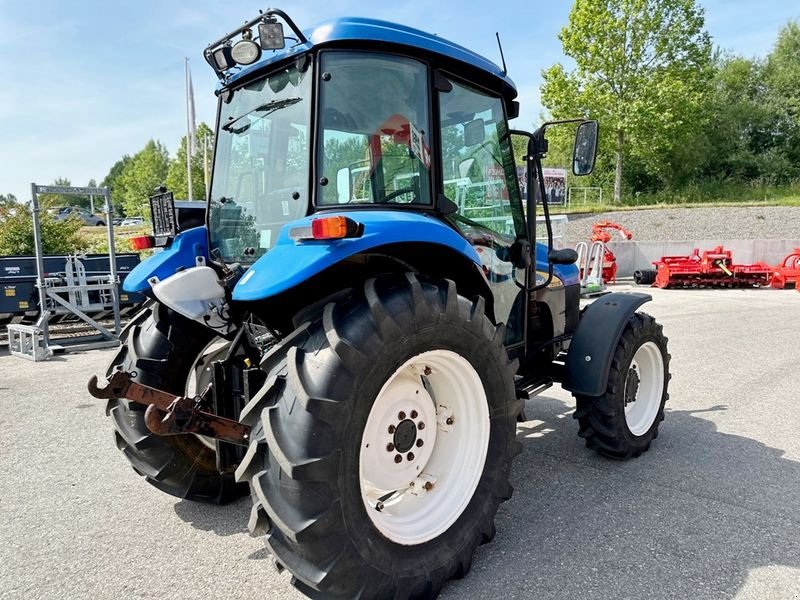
x: 351, y: 337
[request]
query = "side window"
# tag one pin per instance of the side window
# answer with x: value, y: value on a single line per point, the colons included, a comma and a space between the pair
x: 477, y: 161
x: 374, y: 130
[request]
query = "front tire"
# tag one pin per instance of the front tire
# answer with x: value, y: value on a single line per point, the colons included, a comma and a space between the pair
x: 399, y: 363
x: 623, y: 422
x: 162, y: 348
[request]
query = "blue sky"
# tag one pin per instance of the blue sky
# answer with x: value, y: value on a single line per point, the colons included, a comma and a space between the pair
x: 84, y: 82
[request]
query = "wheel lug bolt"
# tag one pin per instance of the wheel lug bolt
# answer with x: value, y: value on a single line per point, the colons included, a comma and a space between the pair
x: 449, y: 420
x: 401, y: 416
x: 410, y: 456
x: 391, y: 428
x: 419, y: 443
x: 420, y: 425
x: 413, y: 414
x: 427, y: 371
x: 398, y: 458
x: 390, y: 447
x: 379, y: 506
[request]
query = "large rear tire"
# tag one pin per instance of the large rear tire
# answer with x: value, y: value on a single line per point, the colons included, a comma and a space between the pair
x: 623, y: 422
x: 162, y: 349
x: 382, y: 442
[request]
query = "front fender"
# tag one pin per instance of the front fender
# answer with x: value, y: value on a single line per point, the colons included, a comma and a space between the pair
x: 291, y: 262
x: 595, y: 341
x: 181, y: 254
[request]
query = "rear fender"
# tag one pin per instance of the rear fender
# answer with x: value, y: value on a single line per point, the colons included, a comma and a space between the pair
x: 181, y: 254
x: 595, y: 341
x: 291, y: 263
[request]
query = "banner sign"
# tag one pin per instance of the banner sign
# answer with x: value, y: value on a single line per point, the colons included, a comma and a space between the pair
x: 65, y: 189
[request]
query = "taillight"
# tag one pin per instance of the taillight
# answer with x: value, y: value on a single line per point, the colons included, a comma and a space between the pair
x: 142, y: 242
x: 328, y: 228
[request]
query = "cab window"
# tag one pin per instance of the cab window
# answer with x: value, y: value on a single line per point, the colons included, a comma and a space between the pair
x: 477, y: 162
x: 374, y: 130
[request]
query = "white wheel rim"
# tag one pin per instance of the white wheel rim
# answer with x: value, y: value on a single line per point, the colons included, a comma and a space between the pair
x: 643, y: 397
x: 428, y: 491
x: 200, y: 376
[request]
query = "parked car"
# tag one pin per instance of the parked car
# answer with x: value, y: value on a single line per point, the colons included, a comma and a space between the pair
x: 129, y: 221
x: 76, y: 212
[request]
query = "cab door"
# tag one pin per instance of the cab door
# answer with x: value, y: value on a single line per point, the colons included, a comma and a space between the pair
x: 479, y: 177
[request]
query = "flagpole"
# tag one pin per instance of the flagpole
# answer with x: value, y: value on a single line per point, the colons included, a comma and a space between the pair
x: 188, y: 131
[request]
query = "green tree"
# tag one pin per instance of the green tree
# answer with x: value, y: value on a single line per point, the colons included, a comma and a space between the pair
x: 177, y: 181
x: 8, y: 201
x: 110, y: 181
x: 782, y: 78
x: 642, y: 68
x: 55, y: 200
x: 146, y: 170
x: 783, y: 70
x: 58, y: 237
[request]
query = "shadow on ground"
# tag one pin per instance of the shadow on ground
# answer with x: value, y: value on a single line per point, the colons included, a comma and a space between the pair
x: 689, y: 519
x: 222, y: 520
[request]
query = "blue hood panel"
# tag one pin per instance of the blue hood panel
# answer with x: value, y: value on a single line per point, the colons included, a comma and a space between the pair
x: 290, y: 263
x: 183, y: 251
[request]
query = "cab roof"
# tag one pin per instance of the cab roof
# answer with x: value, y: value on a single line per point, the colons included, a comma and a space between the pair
x: 356, y: 31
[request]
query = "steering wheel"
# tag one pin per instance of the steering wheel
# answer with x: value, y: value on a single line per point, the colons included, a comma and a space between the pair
x: 389, y: 197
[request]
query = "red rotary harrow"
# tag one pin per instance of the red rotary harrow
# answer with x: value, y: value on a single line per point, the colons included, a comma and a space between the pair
x: 713, y: 268
x: 787, y: 273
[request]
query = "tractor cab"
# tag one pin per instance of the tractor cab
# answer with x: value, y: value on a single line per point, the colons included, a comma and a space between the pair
x: 359, y: 115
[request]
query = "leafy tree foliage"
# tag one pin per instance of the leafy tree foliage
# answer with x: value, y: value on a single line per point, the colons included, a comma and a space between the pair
x: 177, y: 181
x: 146, y: 171
x: 16, y: 232
x: 642, y: 68
x: 110, y: 181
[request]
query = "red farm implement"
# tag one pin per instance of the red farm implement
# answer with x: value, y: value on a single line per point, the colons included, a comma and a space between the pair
x: 787, y: 273
x: 601, y: 232
x: 713, y: 268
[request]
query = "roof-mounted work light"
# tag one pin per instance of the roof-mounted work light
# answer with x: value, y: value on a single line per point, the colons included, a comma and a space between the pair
x: 226, y: 53
x: 270, y: 35
x: 246, y: 51
x: 222, y: 59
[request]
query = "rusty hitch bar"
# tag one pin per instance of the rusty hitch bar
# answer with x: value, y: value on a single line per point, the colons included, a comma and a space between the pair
x: 168, y: 414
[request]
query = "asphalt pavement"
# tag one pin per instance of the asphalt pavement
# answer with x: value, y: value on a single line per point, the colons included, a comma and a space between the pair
x: 711, y: 511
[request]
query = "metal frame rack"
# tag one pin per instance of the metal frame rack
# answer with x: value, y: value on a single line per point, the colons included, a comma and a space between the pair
x: 76, y: 294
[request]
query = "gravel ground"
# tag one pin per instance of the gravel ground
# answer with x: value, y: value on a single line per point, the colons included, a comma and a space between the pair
x: 712, y: 511
x: 680, y: 224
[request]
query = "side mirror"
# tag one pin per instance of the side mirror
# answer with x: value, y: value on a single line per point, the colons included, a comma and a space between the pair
x: 343, y: 185
x: 474, y: 132
x: 585, y: 151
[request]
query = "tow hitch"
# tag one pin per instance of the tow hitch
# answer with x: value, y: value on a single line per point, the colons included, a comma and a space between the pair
x: 168, y: 414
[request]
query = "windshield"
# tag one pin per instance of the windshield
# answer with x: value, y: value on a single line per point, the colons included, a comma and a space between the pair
x: 261, y: 163
x: 374, y: 130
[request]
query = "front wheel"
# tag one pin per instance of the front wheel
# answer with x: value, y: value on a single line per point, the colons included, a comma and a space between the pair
x: 624, y: 421
x: 382, y: 444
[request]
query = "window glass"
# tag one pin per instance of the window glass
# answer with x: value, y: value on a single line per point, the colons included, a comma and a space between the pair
x: 374, y: 130
x: 477, y: 162
x: 261, y: 164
